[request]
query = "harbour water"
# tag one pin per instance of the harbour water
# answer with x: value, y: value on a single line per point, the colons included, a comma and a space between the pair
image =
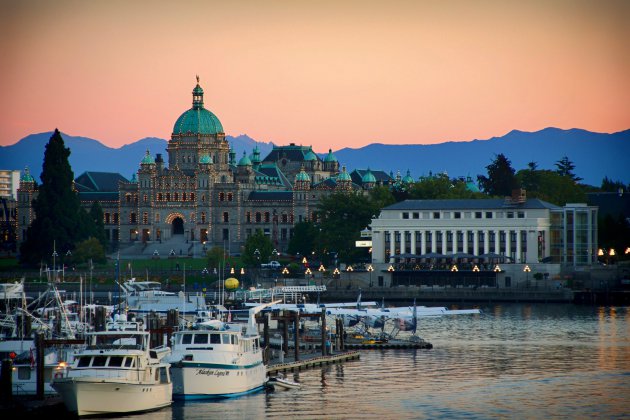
x: 512, y: 361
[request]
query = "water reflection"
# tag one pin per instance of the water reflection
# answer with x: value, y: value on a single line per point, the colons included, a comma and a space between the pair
x: 513, y: 360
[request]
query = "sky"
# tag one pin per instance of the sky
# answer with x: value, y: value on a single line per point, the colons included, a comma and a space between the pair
x: 330, y: 74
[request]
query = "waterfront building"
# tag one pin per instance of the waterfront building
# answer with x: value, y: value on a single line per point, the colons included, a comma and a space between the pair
x: 9, y: 182
x: 204, y: 196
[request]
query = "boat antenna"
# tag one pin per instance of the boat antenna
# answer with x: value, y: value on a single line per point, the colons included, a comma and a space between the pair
x: 118, y: 281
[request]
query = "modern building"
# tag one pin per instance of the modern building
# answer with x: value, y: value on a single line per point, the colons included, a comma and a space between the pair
x: 9, y: 183
x: 204, y: 196
x: 515, y: 230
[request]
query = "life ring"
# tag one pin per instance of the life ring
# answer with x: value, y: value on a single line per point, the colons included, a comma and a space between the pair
x: 58, y: 375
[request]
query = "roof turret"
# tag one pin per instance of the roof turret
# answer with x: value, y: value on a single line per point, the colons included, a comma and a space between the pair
x: 310, y: 156
x: 302, y: 176
x: 344, y: 176
x: 330, y: 157
x: 148, y: 159
x: 408, y: 179
x: 197, y: 120
x: 205, y: 159
x: 244, y: 160
x: 368, y: 177
x: 26, y: 176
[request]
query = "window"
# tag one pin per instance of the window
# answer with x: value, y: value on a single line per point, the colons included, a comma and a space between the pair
x: 129, y: 362
x: 520, y: 214
x: 192, y: 197
x: 221, y: 196
x: 416, y: 215
x: 203, y: 217
x: 285, y: 218
x: 159, y: 196
x: 157, y: 217
x: 226, y: 339
x: 510, y: 215
x: 258, y: 217
x: 248, y: 217
x: 184, y: 196
x: 478, y: 215
x: 267, y: 217
x: 201, y: 339
x: 187, y: 338
x: 145, y: 198
x: 84, y: 361
x: 226, y: 217
x: 145, y: 218
x: 128, y: 198
x: 168, y: 196
x: 107, y: 218
x: 229, y: 197
x: 215, y: 338
x: 115, y: 361
x: 133, y: 218
x: 488, y: 215
x: 457, y: 215
x: 405, y: 215
x: 99, y: 361
x: 436, y: 214
x: 176, y: 197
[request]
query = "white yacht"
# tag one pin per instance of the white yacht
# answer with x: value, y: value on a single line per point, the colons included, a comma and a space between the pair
x: 117, y: 372
x: 147, y: 296
x: 216, y: 359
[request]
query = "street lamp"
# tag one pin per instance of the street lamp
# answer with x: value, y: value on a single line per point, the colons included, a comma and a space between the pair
x: 475, y: 269
x: 390, y: 268
x: 526, y: 269
x: 370, y: 269
x: 454, y: 268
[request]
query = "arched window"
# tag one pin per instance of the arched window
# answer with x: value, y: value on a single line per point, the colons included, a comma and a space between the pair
x: 145, y: 218
x: 115, y: 218
x: 133, y: 218
x: 285, y: 218
x: 183, y: 196
x: 203, y: 197
x: 192, y: 196
x: 266, y: 217
x: 145, y: 198
x: 106, y: 218
x: 258, y: 217
x: 248, y: 217
x: 229, y: 196
x: 176, y: 197
x: 159, y: 196
x: 157, y: 217
x: 226, y: 217
x: 135, y: 198
x: 168, y: 196
x: 128, y: 198
x: 221, y: 196
x: 203, y: 217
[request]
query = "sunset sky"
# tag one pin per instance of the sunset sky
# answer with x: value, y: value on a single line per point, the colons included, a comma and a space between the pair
x: 323, y: 73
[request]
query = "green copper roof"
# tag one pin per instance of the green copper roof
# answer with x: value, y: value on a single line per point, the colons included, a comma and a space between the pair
x: 302, y: 176
x: 344, y: 176
x: 205, y: 159
x: 368, y: 177
x: 408, y: 179
x: 244, y: 160
x: 26, y: 176
x: 310, y: 156
x: 148, y: 159
x: 197, y: 120
x: 330, y: 157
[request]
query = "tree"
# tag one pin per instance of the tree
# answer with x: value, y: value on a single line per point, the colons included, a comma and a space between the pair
x: 501, y: 179
x: 342, y: 217
x: 441, y: 187
x: 59, y: 218
x: 381, y: 196
x: 304, y: 239
x: 217, y: 257
x: 565, y: 168
x: 258, y: 241
x: 608, y: 185
x: 550, y: 186
x: 89, y: 249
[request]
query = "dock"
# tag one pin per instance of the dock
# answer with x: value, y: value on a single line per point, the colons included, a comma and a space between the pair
x: 311, y: 361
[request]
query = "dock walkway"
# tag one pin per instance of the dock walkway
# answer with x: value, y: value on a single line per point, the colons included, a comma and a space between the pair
x: 308, y: 361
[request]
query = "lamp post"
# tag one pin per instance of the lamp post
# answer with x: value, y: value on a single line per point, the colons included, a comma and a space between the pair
x: 285, y: 273
x: 55, y: 255
x: 526, y: 269
x: 370, y: 269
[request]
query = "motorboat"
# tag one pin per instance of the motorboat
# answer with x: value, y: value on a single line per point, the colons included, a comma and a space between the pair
x: 147, y: 296
x: 280, y: 381
x: 56, y: 362
x: 217, y: 359
x: 117, y: 373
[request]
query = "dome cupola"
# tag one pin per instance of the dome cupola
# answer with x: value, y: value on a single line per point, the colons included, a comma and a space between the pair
x: 26, y: 176
x: 197, y: 120
x: 244, y: 160
x: 310, y: 156
x: 330, y: 157
x: 368, y: 177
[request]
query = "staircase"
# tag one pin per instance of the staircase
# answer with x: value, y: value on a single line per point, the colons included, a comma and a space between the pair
x: 176, y: 244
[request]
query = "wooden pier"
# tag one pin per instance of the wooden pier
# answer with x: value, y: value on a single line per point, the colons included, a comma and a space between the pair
x: 311, y: 362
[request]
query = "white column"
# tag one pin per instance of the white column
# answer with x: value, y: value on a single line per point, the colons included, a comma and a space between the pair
x: 444, y: 242
x: 392, y: 245
x: 413, y: 242
x: 508, y: 243
x: 402, y: 241
x: 423, y: 242
x: 476, y: 242
x: 454, y: 233
x: 434, y: 241
x: 486, y: 241
x: 519, y: 249
x: 497, y: 241
x: 465, y: 235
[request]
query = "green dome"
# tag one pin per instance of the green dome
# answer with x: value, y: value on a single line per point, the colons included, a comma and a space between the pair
x: 205, y: 159
x: 26, y: 176
x: 244, y: 161
x: 344, y: 176
x: 310, y: 156
x: 302, y: 176
x: 368, y: 177
x: 148, y: 159
x: 198, y: 120
x: 408, y: 179
x: 330, y: 157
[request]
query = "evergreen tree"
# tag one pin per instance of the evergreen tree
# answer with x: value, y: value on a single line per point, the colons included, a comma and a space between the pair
x: 501, y: 179
x: 304, y: 239
x: 608, y: 185
x: 565, y: 168
x: 59, y: 218
x: 257, y: 241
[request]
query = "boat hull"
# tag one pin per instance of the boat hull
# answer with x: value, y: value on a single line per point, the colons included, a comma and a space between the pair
x: 208, y: 380
x: 88, y: 397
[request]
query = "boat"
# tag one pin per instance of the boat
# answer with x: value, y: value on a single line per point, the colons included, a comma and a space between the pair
x: 56, y: 362
x: 217, y: 359
x: 281, y: 382
x: 147, y: 296
x: 116, y: 373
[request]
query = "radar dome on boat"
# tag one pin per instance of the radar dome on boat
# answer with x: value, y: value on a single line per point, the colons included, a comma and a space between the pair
x: 231, y: 283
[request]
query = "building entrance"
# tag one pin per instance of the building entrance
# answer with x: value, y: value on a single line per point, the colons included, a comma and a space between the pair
x: 178, y: 226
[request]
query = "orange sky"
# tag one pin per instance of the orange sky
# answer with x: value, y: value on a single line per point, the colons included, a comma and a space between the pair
x: 325, y: 73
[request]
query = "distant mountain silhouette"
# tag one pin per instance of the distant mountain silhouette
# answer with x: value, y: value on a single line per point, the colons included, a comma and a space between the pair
x: 91, y: 155
x: 595, y: 155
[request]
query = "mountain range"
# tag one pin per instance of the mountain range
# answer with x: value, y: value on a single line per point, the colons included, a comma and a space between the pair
x: 595, y: 155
